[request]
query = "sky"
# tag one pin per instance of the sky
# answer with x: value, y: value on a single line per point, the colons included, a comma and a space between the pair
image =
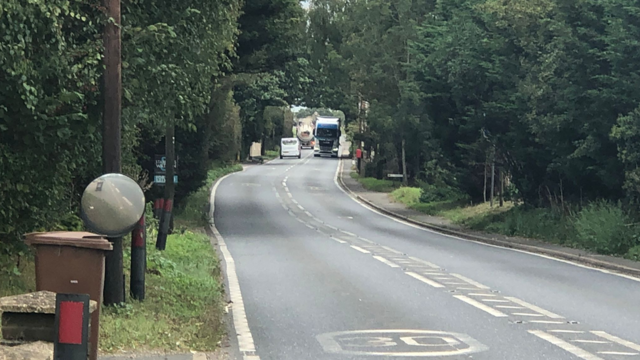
x: 305, y: 4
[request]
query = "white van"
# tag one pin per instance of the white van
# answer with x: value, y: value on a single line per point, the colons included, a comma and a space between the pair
x: 290, y: 147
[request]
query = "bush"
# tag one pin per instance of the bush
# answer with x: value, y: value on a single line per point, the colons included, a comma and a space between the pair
x: 633, y: 253
x: 604, y: 228
x: 407, y: 195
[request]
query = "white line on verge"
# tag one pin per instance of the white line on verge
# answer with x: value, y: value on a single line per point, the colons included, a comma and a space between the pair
x: 335, y: 180
x: 240, y: 323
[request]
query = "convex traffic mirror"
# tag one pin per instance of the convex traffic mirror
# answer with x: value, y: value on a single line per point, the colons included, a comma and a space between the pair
x: 111, y: 205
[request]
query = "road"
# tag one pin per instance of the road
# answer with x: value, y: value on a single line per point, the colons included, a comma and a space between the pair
x: 319, y: 276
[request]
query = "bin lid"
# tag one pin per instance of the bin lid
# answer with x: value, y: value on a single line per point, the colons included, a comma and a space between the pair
x: 79, y: 239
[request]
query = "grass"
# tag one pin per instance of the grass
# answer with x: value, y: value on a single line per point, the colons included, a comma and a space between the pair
x: 374, y: 184
x: 184, y: 301
x: 194, y: 211
x: 271, y: 154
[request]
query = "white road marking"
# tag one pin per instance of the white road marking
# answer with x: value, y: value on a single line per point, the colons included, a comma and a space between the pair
x: 300, y: 207
x: 340, y: 241
x: 294, y: 201
x: 361, y: 249
x: 527, y: 314
x: 309, y: 226
x: 495, y: 300
x: 591, y: 341
x: 284, y: 206
x: 534, y: 308
x: 288, y: 193
x: 240, y: 323
x: 348, y: 233
x: 397, y: 343
x: 425, y: 280
x: 331, y: 227
x: 487, y: 295
x: 431, y: 265
x: 617, y: 353
x: 366, y: 240
x: 509, y: 307
x: 472, y: 282
x: 278, y: 195
x: 385, y: 261
x: 617, y: 340
x: 546, y: 321
x: 466, y: 288
x: 570, y: 348
x: 308, y: 213
x: 453, y: 283
x: 480, y: 306
x: 567, y: 331
x: 388, y: 248
x: 604, y: 271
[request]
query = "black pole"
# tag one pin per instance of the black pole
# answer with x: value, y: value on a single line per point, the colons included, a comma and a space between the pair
x: 169, y: 189
x: 138, y: 260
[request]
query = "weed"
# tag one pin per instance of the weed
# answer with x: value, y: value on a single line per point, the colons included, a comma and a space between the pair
x: 378, y: 185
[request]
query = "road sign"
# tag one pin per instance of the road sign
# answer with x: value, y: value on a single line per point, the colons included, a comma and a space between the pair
x: 161, y: 179
x: 160, y: 170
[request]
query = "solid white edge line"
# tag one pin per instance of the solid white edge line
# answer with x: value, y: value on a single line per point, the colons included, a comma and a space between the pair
x: 386, y: 262
x: 360, y: 249
x: 534, y: 308
x: 570, y: 348
x: 338, y: 240
x: 472, y: 282
x: 617, y: 340
x: 429, y: 282
x: 481, y: 306
x: 352, y: 197
x: 240, y: 322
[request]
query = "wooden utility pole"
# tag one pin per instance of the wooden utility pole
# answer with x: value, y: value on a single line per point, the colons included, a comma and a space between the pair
x: 111, y: 157
x: 404, y: 166
x: 169, y: 187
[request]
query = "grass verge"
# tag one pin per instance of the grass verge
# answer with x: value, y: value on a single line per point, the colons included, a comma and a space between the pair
x: 374, y: 184
x: 183, y: 308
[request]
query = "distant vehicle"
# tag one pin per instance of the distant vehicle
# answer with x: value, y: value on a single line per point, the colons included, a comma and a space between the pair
x: 304, y: 131
x: 290, y: 147
x: 327, y: 133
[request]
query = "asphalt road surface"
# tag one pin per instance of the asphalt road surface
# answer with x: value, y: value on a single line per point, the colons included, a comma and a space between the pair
x: 319, y: 276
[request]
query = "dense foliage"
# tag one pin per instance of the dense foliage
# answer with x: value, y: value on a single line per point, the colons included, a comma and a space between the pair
x: 214, y: 69
x: 546, y: 88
